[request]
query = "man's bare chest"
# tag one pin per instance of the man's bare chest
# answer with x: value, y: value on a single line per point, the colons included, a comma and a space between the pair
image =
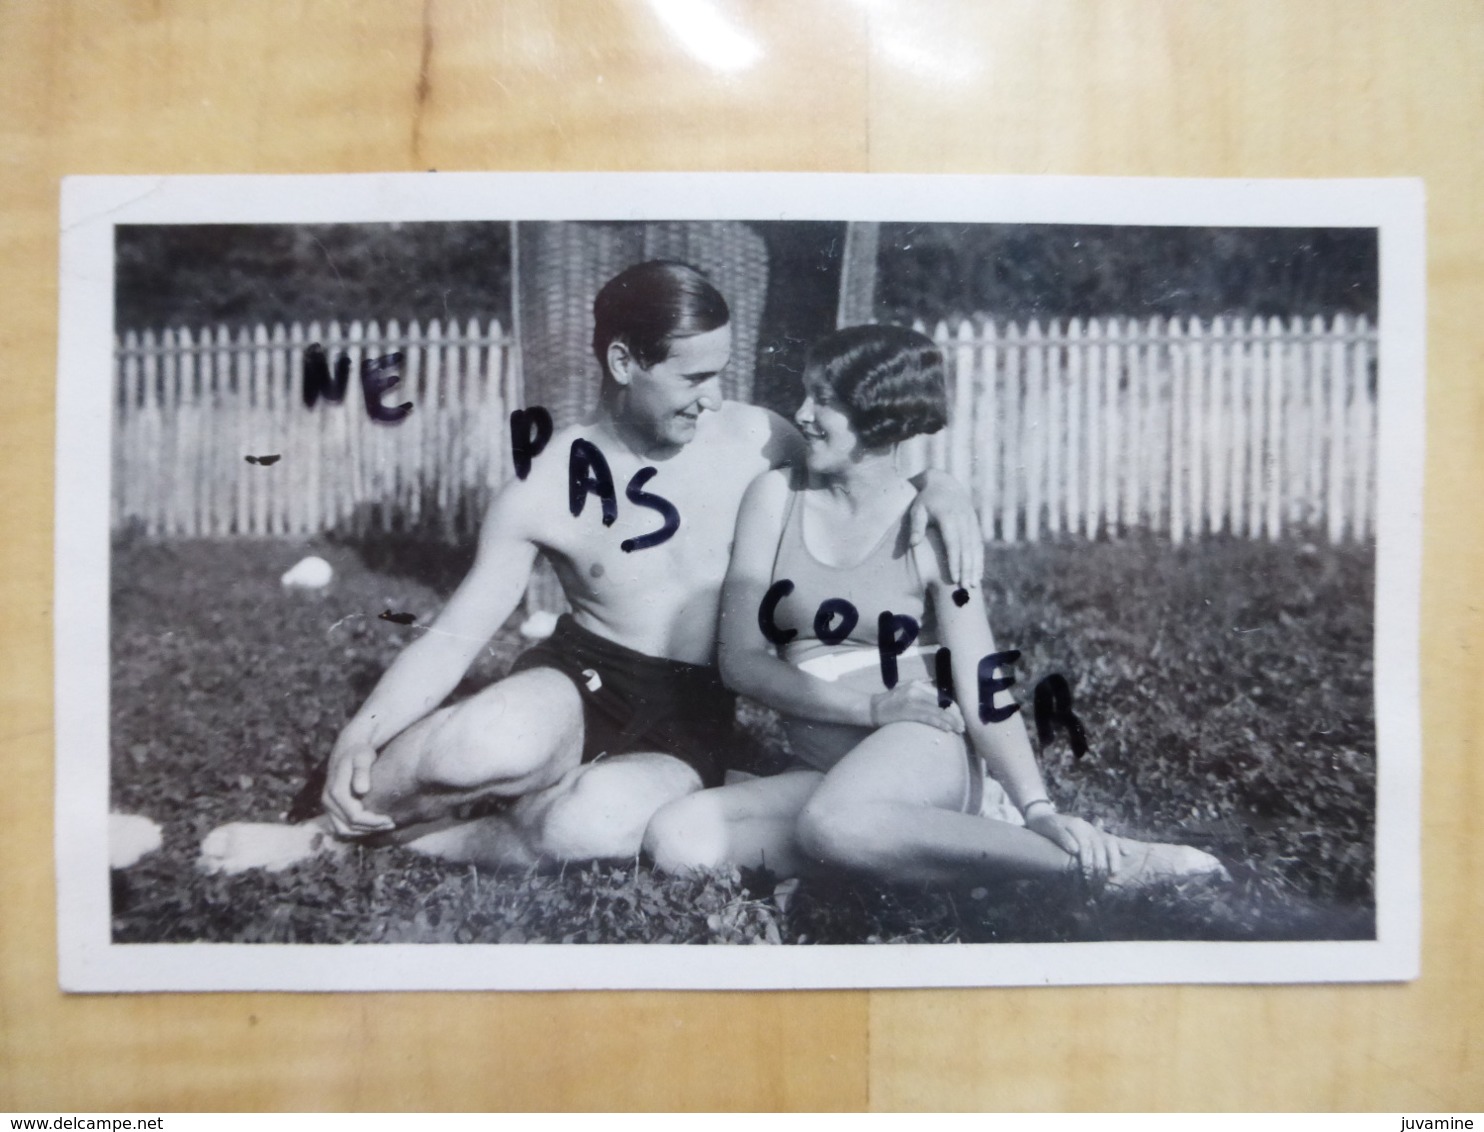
x: 613, y: 519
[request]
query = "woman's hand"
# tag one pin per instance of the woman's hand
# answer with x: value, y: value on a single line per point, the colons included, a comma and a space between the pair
x: 915, y: 702
x: 347, y: 781
x: 1096, y: 852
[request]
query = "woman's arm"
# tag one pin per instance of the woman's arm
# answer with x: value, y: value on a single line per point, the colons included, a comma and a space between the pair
x: 750, y: 664
x: 1005, y: 746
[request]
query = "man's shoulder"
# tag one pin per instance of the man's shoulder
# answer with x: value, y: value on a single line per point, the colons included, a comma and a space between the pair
x: 743, y: 422
x: 520, y: 500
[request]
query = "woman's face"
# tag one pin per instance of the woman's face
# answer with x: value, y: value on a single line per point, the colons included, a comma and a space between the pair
x: 833, y: 444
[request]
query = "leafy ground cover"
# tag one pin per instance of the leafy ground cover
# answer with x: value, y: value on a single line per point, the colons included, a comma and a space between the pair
x: 1225, y: 689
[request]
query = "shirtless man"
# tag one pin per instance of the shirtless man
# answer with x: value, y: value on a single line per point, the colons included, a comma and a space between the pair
x: 621, y: 710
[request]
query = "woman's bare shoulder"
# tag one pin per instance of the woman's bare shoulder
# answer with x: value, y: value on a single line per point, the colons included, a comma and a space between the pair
x: 770, y: 490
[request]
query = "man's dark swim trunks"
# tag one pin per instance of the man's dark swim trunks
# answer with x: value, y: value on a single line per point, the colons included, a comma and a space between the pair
x: 633, y: 702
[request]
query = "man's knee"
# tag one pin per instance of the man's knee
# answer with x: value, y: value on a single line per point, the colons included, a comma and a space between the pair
x: 505, y: 740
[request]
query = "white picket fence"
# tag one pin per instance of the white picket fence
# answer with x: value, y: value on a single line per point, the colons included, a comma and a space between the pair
x: 1249, y: 427
x: 192, y: 406
x: 1256, y: 428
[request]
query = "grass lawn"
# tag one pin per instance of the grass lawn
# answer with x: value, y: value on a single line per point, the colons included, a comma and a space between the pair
x: 1225, y: 689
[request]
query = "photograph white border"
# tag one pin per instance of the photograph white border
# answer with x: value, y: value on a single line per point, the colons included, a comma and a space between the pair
x: 92, y: 206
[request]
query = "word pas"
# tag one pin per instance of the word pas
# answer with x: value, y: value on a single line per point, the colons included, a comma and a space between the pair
x: 588, y: 474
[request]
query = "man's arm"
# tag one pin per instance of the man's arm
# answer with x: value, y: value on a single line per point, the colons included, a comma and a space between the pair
x: 431, y: 667
x: 944, y: 502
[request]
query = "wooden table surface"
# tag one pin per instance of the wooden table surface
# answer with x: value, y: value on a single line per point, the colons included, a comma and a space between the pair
x: 1323, y: 88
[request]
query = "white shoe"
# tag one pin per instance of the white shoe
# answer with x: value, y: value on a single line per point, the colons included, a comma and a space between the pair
x: 1145, y: 863
x: 242, y: 845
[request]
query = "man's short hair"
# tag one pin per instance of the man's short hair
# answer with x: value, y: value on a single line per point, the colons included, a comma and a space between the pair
x: 649, y: 305
x: 888, y: 379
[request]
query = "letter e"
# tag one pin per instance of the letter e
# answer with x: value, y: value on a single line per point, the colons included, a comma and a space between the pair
x: 378, y: 377
x: 989, y: 684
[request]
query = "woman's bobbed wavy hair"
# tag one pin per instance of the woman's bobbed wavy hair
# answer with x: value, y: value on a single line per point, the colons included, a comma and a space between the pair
x: 888, y: 380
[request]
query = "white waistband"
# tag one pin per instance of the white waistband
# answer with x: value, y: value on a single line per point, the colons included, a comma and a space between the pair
x: 831, y: 666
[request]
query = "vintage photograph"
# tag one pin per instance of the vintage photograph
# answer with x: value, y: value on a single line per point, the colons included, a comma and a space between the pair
x: 991, y: 594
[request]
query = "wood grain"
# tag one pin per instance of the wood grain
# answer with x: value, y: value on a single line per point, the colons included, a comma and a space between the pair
x: 1230, y: 88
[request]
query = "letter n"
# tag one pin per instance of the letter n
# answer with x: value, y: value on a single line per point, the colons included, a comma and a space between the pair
x: 317, y: 380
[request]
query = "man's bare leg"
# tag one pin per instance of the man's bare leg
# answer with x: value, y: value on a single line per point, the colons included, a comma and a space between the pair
x: 522, y: 735
x: 521, y: 739
x: 519, y: 736
x: 598, y: 811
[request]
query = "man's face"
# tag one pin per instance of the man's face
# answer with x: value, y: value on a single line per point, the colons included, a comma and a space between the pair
x: 666, y: 401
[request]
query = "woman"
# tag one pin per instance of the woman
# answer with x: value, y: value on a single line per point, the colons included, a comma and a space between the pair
x: 824, y: 598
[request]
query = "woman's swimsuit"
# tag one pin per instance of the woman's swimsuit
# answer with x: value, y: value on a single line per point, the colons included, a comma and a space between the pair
x: 886, y: 580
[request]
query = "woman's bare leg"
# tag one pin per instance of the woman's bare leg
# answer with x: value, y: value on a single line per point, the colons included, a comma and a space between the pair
x: 750, y: 825
x: 889, y: 808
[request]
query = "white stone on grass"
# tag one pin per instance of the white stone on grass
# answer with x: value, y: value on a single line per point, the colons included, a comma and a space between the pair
x: 130, y: 837
x: 310, y: 573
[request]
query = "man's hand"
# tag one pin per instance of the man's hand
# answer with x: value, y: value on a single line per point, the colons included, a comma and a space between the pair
x: 347, y: 781
x: 949, y: 507
x: 1097, y: 853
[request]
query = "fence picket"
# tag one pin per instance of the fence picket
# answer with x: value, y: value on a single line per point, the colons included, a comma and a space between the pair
x: 486, y: 432
x: 1076, y: 517
x: 1358, y: 434
x: 1035, y: 431
x: 1334, y: 495
x: 1366, y: 393
x: 1273, y: 466
x: 961, y: 413
x: 1097, y: 410
x: 986, y: 431
x: 1182, y: 417
x: 1199, y: 440
x: 129, y: 479
x: 1012, y: 461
